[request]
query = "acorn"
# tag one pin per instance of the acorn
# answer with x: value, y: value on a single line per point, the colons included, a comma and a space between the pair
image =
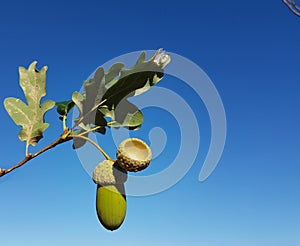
x: 133, y: 155
x: 108, y: 172
x: 111, y: 198
x: 111, y: 205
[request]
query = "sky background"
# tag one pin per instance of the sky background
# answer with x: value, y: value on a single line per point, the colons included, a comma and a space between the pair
x: 250, y: 50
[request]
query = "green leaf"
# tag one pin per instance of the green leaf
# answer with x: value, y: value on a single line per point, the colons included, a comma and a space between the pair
x: 88, y: 102
x: 77, y: 98
x: 113, y: 72
x: 63, y: 108
x: 30, y: 116
x: 94, y: 89
x: 142, y: 58
x: 126, y: 113
x: 132, y: 82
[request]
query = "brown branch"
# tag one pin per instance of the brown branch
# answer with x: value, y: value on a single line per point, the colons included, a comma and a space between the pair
x: 292, y: 6
x: 66, y: 136
x: 62, y: 139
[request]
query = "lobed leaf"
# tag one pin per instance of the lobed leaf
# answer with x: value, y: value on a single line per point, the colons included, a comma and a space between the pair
x: 132, y: 82
x: 31, y: 116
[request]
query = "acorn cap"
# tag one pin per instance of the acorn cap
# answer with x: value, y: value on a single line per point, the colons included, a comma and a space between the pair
x: 133, y: 155
x: 109, y: 172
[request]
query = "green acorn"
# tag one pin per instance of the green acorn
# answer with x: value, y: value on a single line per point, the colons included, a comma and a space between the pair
x: 133, y: 155
x: 111, y: 198
x: 111, y: 205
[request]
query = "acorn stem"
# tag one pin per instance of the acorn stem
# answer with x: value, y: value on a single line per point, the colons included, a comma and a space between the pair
x: 95, y: 144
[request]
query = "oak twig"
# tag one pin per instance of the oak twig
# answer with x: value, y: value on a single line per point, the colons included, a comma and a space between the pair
x: 62, y: 139
x: 66, y: 136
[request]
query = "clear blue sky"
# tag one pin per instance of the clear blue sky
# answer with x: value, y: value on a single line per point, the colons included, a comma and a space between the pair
x: 249, y: 49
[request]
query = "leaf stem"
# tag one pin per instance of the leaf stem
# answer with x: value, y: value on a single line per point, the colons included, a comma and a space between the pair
x: 90, y: 130
x: 26, y: 148
x: 95, y: 144
x: 64, y: 121
x: 111, y: 123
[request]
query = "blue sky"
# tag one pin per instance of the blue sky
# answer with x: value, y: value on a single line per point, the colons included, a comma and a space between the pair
x: 251, y: 53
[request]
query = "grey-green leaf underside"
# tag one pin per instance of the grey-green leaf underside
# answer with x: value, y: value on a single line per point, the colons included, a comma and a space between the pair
x: 30, y: 116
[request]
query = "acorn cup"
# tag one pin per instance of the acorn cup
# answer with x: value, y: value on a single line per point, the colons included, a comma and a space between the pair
x: 133, y: 155
x: 109, y: 172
